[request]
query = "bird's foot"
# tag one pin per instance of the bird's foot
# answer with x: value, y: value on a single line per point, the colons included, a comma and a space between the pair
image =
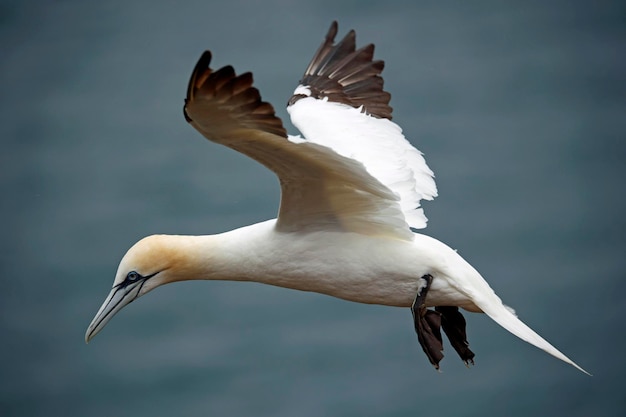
x: 427, y: 325
x: 453, y: 324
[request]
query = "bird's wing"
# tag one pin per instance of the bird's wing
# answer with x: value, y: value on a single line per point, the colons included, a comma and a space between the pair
x: 320, y: 189
x: 340, y: 103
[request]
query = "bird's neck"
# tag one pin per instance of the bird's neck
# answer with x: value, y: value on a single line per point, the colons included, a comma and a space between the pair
x: 227, y: 256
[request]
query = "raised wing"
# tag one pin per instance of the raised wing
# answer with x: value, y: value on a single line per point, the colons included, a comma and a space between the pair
x: 340, y: 103
x: 320, y: 188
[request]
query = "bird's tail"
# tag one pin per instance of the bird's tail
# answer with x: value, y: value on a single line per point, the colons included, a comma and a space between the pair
x: 506, y: 318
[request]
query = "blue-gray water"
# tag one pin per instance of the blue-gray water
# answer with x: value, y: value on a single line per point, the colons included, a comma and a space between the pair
x: 519, y: 108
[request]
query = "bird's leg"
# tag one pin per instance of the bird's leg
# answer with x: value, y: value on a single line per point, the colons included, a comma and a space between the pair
x: 427, y: 325
x: 453, y: 324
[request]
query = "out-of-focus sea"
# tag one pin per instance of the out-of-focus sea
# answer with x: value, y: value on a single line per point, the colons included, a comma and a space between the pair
x: 519, y: 107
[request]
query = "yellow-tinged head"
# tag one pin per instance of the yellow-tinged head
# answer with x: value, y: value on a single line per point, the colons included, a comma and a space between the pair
x: 151, y: 262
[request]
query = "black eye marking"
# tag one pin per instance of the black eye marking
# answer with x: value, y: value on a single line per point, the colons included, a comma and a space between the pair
x: 133, y: 276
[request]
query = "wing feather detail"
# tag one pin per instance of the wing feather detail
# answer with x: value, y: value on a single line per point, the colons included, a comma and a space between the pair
x: 320, y: 189
x: 343, y: 74
x: 227, y: 100
x: 340, y: 103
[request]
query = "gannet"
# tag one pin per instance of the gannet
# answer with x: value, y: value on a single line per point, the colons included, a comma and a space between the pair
x: 351, y: 188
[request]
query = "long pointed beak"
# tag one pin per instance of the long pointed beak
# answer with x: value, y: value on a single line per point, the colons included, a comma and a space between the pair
x: 121, y: 295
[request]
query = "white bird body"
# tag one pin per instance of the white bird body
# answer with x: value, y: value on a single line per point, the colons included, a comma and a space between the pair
x: 350, y: 197
x: 370, y: 270
x: 364, y: 269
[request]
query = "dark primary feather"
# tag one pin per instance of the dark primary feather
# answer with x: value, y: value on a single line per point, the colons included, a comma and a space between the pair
x: 341, y: 73
x: 320, y: 189
x: 230, y: 100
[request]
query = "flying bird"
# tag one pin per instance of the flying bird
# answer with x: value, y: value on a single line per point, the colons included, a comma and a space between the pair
x: 351, y: 188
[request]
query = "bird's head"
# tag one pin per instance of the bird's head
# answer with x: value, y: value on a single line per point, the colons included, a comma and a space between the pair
x: 151, y: 262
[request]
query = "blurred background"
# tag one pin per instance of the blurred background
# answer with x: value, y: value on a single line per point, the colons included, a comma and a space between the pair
x: 518, y: 106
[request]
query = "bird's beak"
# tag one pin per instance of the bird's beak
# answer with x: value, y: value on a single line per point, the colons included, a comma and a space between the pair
x: 121, y: 295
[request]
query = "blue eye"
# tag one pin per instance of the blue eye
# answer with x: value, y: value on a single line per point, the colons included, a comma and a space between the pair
x: 133, y: 276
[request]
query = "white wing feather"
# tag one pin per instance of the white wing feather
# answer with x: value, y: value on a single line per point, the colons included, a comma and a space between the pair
x: 377, y: 143
x: 355, y: 170
x: 340, y: 103
x: 320, y: 189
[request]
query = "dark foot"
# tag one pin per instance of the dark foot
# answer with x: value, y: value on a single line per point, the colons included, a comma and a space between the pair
x: 427, y: 325
x: 453, y: 324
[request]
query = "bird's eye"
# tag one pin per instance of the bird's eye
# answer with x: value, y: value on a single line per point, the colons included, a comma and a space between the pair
x: 133, y: 276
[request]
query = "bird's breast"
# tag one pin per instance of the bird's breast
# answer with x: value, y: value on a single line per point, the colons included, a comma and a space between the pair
x: 351, y: 266
x: 345, y: 265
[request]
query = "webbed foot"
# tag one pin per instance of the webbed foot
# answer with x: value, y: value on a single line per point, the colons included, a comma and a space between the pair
x: 453, y: 324
x: 427, y: 325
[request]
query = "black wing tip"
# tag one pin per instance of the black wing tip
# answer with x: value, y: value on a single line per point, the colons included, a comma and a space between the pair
x: 236, y: 93
x: 332, y: 31
x: 201, y: 66
x: 205, y: 58
x: 342, y: 73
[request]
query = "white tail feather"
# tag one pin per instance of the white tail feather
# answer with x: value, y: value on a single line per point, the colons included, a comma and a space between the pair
x: 505, y: 318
